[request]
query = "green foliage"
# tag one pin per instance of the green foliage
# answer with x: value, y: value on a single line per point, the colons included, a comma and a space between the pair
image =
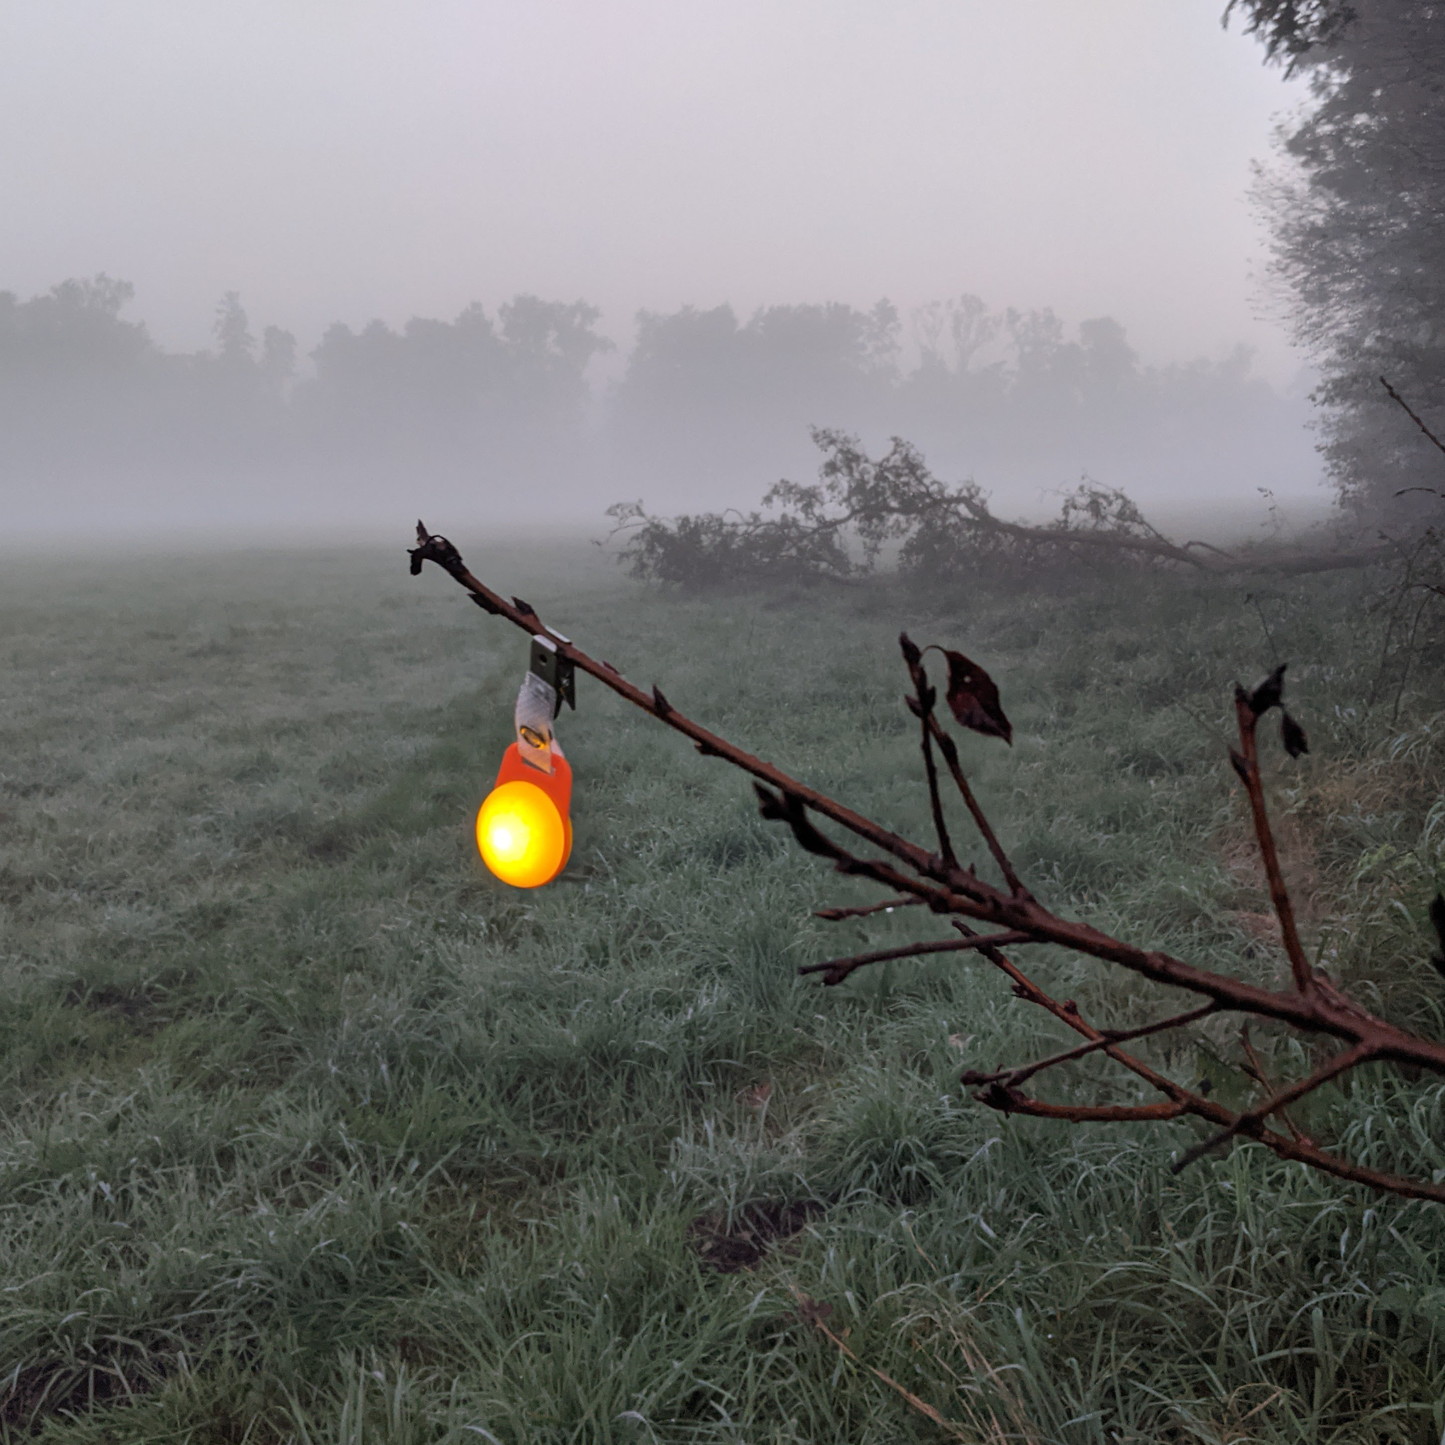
x: 839, y: 527
x: 713, y: 549
x: 1359, y: 238
x: 1290, y: 29
x: 313, y: 1132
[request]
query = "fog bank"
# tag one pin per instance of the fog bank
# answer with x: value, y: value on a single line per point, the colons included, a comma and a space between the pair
x: 502, y: 416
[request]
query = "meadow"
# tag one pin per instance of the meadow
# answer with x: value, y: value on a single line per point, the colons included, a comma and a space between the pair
x: 311, y: 1131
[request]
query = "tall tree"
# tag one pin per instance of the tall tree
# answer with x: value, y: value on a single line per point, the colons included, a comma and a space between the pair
x: 1358, y: 215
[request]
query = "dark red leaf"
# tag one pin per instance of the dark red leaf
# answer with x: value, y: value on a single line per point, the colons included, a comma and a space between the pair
x: 1293, y: 735
x: 973, y: 698
x: 911, y: 653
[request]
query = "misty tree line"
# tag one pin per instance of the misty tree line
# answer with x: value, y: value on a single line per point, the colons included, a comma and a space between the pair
x: 1357, y: 211
x: 83, y: 388
x: 708, y: 406
x: 704, y: 400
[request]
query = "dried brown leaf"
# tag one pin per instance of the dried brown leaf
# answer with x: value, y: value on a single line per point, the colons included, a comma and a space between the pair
x: 1293, y: 737
x: 973, y: 698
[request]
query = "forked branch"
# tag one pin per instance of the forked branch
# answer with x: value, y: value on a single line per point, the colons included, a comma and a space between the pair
x: 914, y: 875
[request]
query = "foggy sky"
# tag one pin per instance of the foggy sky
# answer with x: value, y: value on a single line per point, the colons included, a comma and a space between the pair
x: 345, y: 159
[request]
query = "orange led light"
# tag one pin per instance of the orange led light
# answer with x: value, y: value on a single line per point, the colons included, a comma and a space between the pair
x: 524, y: 833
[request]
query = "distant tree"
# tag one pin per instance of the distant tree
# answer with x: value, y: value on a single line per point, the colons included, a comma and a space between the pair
x: 1110, y: 363
x: 713, y: 400
x: 278, y: 357
x: 950, y: 333
x: 74, y: 330
x: 1017, y: 399
x: 837, y: 528
x: 469, y: 398
x: 1358, y: 215
x: 77, y: 382
x: 232, y: 330
x: 547, y: 345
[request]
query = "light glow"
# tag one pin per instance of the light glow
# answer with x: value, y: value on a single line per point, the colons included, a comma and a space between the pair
x: 522, y: 835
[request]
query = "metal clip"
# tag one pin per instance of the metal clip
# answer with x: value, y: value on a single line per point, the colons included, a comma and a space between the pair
x: 558, y: 672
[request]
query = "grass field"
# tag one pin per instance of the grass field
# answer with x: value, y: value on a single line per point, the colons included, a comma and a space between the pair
x: 313, y: 1132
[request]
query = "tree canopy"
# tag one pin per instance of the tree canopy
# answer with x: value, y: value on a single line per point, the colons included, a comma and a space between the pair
x: 1357, y: 210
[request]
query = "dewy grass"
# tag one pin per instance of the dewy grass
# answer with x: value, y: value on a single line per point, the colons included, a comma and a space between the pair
x: 314, y: 1132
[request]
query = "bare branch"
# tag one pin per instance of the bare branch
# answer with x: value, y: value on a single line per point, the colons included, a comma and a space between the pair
x: 1248, y: 708
x: 950, y: 756
x: 833, y: 915
x: 1256, y: 1070
x: 913, y: 876
x: 1191, y: 1102
x: 1012, y: 1078
x: 926, y: 697
x: 836, y: 970
x: 1252, y: 1122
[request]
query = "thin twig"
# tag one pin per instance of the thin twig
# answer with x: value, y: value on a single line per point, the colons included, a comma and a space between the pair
x: 1252, y: 1121
x: 1246, y: 764
x: 833, y: 915
x: 923, y: 704
x: 812, y: 1313
x: 1253, y: 598
x: 1257, y: 1070
x: 945, y: 844
x: 950, y: 756
x: 836, y: 970
x: 1411, y: 414
x: 1014, y: 1077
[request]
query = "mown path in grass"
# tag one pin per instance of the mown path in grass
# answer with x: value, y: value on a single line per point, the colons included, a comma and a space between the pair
x: 313, y: 1132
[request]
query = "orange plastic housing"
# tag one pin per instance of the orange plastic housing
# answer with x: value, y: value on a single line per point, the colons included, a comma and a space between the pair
x: 557, y: 785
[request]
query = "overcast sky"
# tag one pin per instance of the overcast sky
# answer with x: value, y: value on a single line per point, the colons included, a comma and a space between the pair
x: 344, y: 159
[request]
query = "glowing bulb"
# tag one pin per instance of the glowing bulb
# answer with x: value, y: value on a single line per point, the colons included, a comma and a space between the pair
x: 523, y: 832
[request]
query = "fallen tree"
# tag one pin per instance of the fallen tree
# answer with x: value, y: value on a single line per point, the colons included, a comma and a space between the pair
x: 839, y: 526
x: 1012, y: 917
